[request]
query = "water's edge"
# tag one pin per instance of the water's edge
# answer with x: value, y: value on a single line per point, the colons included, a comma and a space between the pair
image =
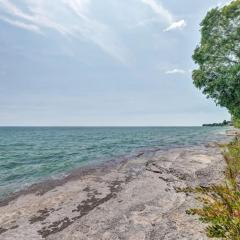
x: 133, y: 198
x: 49, y: 183
x: 44, y: 186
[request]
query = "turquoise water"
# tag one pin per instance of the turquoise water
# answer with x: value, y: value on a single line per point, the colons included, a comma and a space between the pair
x: 30, y: 154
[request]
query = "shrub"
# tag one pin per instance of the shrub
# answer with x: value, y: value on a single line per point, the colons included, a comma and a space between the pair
x: 221, y: 203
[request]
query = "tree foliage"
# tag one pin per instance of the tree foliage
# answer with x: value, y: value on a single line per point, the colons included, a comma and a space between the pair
x: 236, y: 122
x: 218, y: 57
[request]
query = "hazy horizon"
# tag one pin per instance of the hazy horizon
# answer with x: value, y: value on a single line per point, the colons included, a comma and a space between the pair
x: 105, y: 126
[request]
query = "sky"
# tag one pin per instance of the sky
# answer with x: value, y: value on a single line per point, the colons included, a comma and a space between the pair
x: 102, y: 63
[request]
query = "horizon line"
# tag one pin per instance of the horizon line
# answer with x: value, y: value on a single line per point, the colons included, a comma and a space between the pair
x: 1, y: 126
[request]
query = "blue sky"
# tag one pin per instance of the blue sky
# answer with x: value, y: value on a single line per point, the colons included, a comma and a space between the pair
x: 111, y: 62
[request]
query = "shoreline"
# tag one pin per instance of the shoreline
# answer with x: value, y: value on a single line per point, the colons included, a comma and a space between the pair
x: 144, y: 186
x: 12, y: 188
x: 46, y: 185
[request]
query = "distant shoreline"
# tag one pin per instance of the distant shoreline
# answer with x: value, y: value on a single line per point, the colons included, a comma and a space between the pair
x: 222, y: 124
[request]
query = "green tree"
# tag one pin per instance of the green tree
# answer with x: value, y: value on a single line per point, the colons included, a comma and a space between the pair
x: 218, y: 57
x: 236, y: 122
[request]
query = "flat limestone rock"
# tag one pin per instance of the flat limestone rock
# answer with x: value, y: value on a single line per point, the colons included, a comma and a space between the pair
x: 132, y: 200
x: 234, y: 132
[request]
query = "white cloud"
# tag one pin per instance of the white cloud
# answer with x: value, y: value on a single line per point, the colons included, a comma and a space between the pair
x: 97, y: 32
x: 70, y: 18
x: 165, y: 15
x: 39, y: 15
x: 176, y: 71
x: 20, y: 24
x: 160, y: 10
x: 79, y: 6
x: 176, y: 25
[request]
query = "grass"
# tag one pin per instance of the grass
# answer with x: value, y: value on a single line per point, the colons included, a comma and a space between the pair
x: 221, y: 203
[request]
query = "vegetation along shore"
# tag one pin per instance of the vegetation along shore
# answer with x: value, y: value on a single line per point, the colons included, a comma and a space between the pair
x: 218, y: 75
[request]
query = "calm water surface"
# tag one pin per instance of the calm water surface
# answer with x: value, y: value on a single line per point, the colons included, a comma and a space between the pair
x: 30, y: 154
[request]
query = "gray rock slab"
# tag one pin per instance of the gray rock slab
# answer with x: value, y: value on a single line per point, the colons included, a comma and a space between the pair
x: 133, y: 200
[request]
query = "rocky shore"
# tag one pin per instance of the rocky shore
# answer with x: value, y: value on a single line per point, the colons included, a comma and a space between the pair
x: 134, y: 199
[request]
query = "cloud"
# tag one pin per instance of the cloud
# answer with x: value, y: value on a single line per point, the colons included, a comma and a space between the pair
x: 160, y: 10
x: 39, y: 15
x: 20, y: 24
x: 176, y: 25
x: 80, y: 7
x: 166, y: 16
x: 176, y: 71
x: 97, y: 32
x: 70, y: 18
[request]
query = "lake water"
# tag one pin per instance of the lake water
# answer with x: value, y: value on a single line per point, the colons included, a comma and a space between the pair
x: 32, y: 154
